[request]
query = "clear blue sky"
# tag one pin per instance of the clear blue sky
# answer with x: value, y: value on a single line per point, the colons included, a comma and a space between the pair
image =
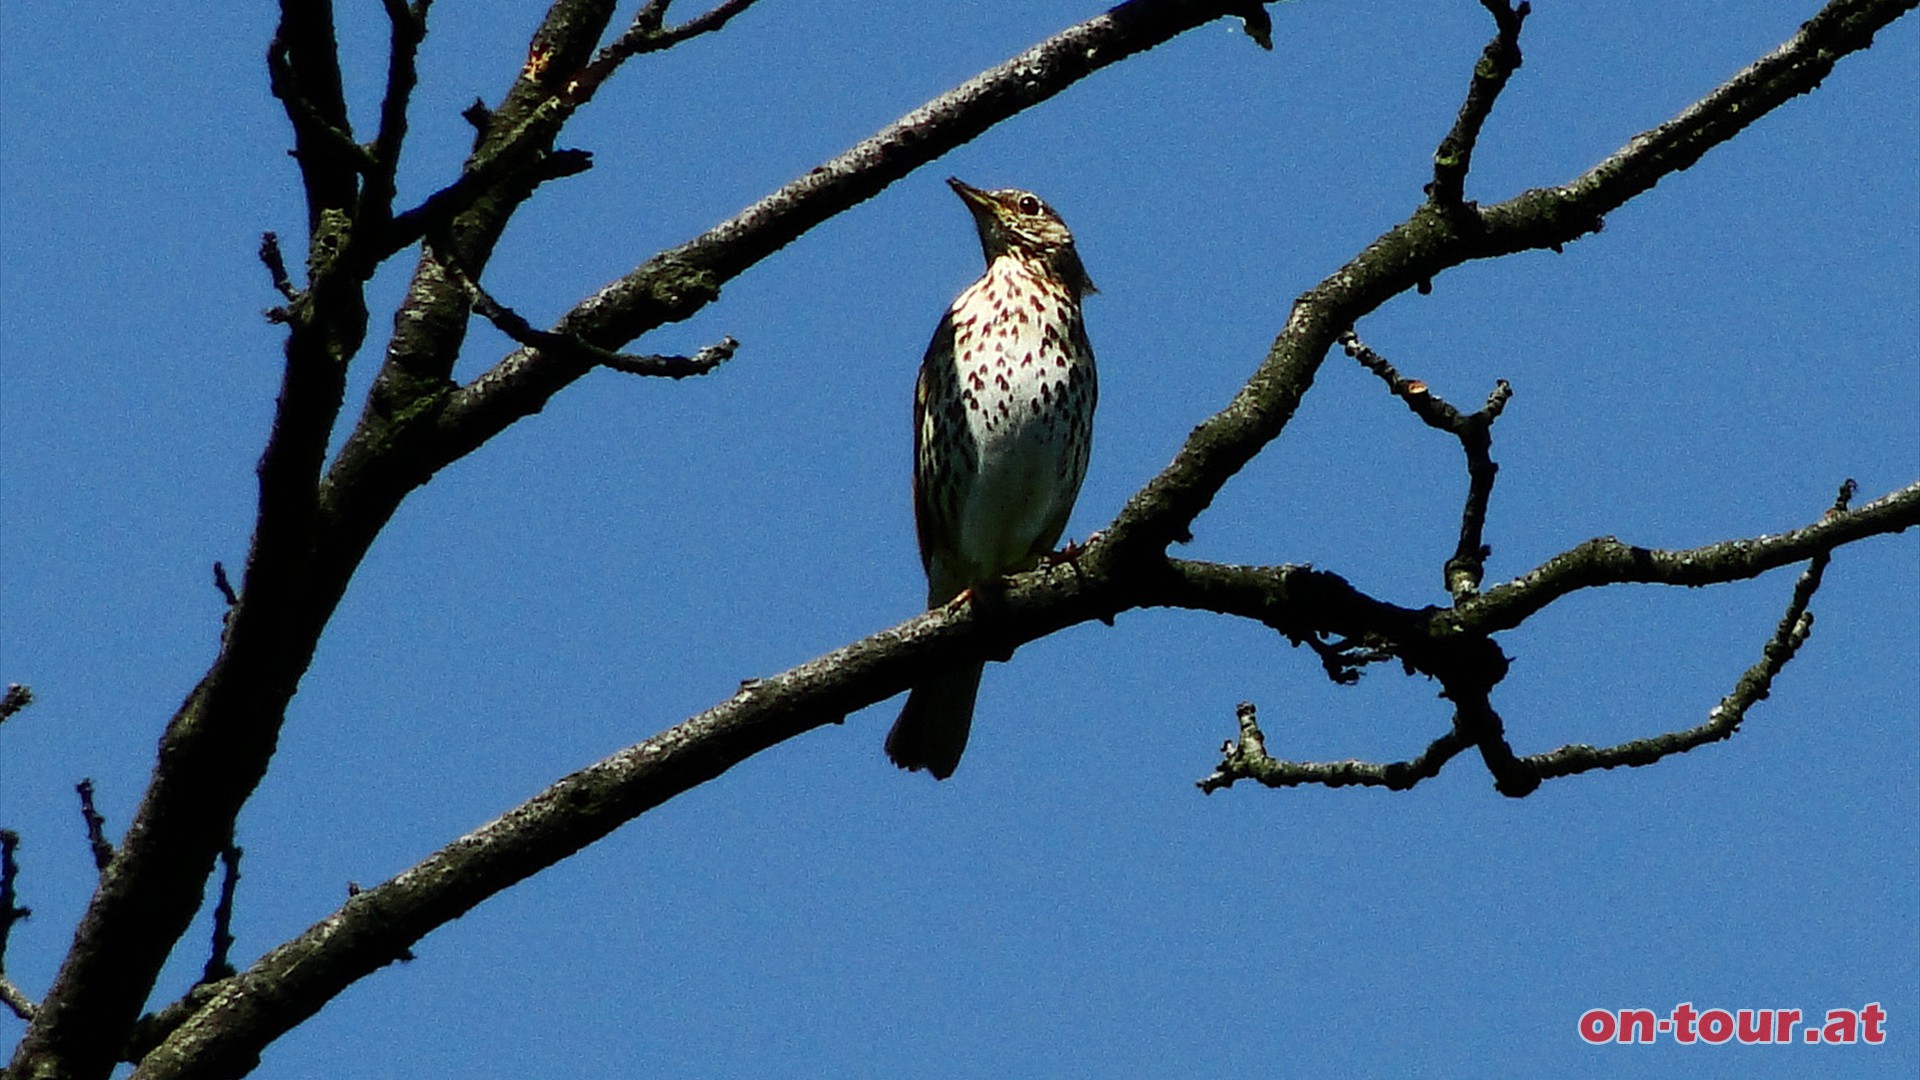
x: 1736, y: 343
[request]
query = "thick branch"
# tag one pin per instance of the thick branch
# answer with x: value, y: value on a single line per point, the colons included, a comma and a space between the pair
x: 216, y: 747
x: 1498, y: 62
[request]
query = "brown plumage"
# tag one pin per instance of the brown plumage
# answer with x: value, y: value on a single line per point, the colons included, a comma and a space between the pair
x: 1003, y: 423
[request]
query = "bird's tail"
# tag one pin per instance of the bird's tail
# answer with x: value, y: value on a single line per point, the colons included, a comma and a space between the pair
x: 931, y: 733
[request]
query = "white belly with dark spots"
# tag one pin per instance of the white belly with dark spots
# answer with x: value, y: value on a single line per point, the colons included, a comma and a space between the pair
x: 1028, y: 409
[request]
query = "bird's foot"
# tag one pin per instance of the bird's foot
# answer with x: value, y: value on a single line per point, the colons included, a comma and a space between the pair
x: 1069, y: 554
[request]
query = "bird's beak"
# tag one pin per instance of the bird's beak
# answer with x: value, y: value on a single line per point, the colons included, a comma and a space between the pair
x: 978, y: 201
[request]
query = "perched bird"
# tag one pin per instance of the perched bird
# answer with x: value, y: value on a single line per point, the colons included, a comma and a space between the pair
x: 1003, y: 422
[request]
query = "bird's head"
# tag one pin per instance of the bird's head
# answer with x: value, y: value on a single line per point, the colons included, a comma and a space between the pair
x: 1020, y: 223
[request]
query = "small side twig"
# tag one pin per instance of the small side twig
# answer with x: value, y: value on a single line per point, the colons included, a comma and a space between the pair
x: 1256, y: 22
x: 1343, y: 658
x: 515, y: 326
x: 648, y: 33
x: 218, y: 966
x: 276, y: 265
x: 226, y: 587
x: 1247, y: 759
x: 1467, y: 568
x: 96, y: 827
x: 15, y: 998
x: 1498, y: 61
x: 16, y: 698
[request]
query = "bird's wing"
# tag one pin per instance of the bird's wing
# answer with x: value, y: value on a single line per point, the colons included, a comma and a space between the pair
x: 936, y: 391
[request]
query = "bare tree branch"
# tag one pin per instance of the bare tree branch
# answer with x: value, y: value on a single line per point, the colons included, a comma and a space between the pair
x: 306, y: 546
x: 152, y: 1028
x: 1433, y: 240
x: 276, y: 265
x: 1248, y: 758
x: 1607, y: 561
x: 1475, y: 432
x: 304, y: 65
x: 16, y: 1000
x: 215, y: 748
x: 375, y: 926
x: 408, y: 28
x: 646, y: 34
x: 221, y: 583
x: 1498, y: 62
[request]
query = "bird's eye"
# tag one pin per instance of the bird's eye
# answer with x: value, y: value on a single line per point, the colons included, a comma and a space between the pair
x: 1029, y: 204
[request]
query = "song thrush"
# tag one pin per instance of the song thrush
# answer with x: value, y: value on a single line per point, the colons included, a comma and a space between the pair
x: 1003, y: 422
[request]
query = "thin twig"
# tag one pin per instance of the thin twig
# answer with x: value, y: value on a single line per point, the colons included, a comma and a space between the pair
x: 16, y: 698
x: 1465, y: 570
x: 1723, y: 720
x: 217, y: 965
x: 220, y: 582
x: 1247, y: 759
x: 515, y: 326
x: 96, y: 827
x: 276, y: 265
x: 1433, y: 240
x: 17, y: 1000
x: 647, y: 33
x: 1608, y: 561
x: 14, y: 998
